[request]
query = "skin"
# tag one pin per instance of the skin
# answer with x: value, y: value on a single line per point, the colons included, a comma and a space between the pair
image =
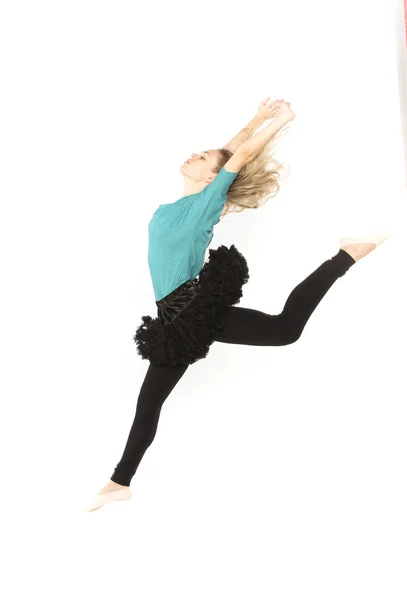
x: 200, y: 171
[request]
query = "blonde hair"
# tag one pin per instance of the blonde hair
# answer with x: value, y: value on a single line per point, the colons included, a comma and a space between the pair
x: 256, y: 182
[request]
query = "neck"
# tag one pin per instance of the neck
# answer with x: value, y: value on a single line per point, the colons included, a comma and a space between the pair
x: 194, y: 187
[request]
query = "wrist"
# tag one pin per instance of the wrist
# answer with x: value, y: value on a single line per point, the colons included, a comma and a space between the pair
x: 282, y: 120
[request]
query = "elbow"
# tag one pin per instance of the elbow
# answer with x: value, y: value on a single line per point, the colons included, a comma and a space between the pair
x: 246, y: 152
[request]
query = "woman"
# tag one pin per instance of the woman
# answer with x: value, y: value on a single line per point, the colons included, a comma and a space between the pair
x: 195, y: 300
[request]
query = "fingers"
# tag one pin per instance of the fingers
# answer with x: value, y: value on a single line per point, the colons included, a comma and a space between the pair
x: 270, y: 102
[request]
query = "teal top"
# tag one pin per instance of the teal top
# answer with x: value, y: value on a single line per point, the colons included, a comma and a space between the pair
x: 180, y: 232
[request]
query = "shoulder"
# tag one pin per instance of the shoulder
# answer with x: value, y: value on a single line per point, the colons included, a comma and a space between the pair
x: 224, y: 174
x: 221, y: 182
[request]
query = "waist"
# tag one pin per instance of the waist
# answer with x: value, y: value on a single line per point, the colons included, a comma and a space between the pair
x: 172, y: 304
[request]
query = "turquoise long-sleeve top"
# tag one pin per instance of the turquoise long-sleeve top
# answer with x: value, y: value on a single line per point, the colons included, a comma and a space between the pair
x: 180, y: 232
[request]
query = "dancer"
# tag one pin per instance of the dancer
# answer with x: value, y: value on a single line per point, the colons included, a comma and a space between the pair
x: 196, y: 300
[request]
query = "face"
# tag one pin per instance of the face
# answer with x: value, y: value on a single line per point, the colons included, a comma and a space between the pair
x: 200, y: 167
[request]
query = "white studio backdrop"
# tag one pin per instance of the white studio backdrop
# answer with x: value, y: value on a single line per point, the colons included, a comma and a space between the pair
x: 400, y: 32
x: 276, y: 472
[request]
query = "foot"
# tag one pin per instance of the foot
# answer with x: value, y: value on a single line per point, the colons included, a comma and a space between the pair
x: 112, y: 491
x: 357, y: 250
x: 360, y: 247
x: 112, y: 486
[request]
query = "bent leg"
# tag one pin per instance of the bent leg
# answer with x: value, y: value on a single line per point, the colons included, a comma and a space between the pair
x: 257, y: 328
x: 157, y: 386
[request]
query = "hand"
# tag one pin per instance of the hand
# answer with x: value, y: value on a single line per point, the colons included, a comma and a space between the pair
x: 268, y: 109
x: 284, y: 111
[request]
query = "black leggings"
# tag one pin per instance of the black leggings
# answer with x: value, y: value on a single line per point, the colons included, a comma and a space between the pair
x: 243, y: 326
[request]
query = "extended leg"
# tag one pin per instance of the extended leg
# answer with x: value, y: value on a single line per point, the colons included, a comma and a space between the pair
x: 256, y: 328
x: 157, y: 386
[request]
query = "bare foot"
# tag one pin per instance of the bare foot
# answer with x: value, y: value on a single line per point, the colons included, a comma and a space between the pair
x: 112, y: 486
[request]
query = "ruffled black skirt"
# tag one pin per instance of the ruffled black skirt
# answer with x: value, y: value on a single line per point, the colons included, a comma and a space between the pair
x: 189, y: 318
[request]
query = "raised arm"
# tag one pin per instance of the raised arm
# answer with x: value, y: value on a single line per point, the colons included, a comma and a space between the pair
x: 252, y: 147
x: 256, y: 144
x: 244, y: 134
x: 266, y: 110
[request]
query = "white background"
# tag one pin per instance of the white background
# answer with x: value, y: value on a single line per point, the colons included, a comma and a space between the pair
x: 400, y: 30
x: 276, y: 472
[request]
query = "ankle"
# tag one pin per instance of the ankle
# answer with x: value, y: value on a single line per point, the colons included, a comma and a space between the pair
x: 113, y: 483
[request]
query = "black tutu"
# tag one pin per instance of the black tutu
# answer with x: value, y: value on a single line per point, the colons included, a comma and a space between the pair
x: 190, y: 317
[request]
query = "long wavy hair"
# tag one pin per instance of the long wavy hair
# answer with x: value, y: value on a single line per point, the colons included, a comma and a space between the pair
x: 256, y: 182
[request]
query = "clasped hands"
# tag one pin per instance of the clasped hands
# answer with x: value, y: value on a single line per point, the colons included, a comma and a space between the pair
x: 268, y: 109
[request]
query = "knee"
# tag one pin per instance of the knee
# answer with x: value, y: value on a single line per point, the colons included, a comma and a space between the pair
x: 282, y: 331
x: 290, y: 338
x: 295, y: 337
x: 285, y: 339
x: 294, y: 334
x: 292, y: 330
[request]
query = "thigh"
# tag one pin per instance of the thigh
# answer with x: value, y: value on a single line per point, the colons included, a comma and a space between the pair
x: 256, y: 328
x: 157, y: 386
